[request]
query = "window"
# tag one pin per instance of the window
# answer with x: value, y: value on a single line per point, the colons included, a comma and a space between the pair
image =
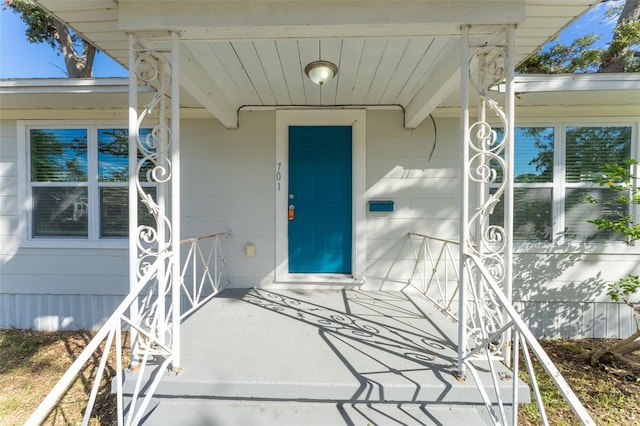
x: 78, y: 182
x: 587, y: 150
x: 554, y: 171
x: 533, y: 184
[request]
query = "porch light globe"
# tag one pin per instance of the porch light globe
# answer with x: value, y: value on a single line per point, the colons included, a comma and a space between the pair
x: 321, y: 72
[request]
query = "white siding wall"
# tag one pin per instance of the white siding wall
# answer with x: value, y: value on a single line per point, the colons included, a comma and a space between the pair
x: 562, y: 292
x: 425, y: 192
x: 228, y: 183
x: 49, y: 288
x: 8, y: 193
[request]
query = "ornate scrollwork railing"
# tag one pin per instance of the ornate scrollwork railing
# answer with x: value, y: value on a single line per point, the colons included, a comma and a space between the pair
x: 204, y: 275
x: 436, y: 274
x: 487, y: 165
x: 487, y: 160
x: 152, y: 311
x: 154, y: 171
x: 491, y: 320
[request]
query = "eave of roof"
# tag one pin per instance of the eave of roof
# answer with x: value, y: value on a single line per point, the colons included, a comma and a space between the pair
x: 620, y: 91
x: 527, y: 83
x: 66, y: 85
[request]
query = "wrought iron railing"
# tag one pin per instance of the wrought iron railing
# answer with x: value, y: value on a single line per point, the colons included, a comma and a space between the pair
x: 435, y: 272
x: 204, y: 271
x: 492, y: 325
x: 204, y: 274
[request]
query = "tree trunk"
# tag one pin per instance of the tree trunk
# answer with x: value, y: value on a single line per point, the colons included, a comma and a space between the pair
x: 77, y: 66
x: 613, y: 60
x: 88, y: 55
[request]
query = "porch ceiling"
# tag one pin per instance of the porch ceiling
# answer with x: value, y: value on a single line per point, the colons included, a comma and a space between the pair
x: 253, y: 53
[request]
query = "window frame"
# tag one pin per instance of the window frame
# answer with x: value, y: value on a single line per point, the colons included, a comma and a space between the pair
x: 93, y: 185
x: 559, y: 185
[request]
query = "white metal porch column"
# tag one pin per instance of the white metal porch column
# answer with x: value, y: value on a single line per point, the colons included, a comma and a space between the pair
x: 154, y: 181
x: 487, y: 162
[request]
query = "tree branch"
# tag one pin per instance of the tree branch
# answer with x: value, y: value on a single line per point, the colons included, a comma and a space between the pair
x: 613, y: 348
x: 613, y: 60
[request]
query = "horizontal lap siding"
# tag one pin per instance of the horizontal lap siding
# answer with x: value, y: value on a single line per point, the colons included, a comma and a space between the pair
x: 425, y: 192
x: 228, y: 183
x: 8, y: 188
x: 561, y: 293
x: 45, y: 288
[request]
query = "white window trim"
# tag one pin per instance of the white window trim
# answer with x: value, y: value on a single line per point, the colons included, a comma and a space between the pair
x: 559, y: 185
x: 557, y: 188
x: 24, y: 187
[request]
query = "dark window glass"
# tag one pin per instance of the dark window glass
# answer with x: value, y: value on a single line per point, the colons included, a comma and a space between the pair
x: 578, y: 212
x: 58, y: 155
x: 113, y: 155
x: 531, y: 215
x: 114, y: 212
x: 589, y: 148
x: 533, y: 156
x: 60, y: 212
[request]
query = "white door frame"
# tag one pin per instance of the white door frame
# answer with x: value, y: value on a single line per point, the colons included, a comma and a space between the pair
x: 356, y: 118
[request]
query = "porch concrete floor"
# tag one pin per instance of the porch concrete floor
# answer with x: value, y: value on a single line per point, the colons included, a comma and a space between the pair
x: 318, y: 346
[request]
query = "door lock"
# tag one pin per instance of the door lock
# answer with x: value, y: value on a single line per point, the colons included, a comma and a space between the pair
x: 291, y: 212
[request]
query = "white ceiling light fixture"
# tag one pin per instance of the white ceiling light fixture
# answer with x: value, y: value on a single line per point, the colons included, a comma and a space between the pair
x: 321, y: 72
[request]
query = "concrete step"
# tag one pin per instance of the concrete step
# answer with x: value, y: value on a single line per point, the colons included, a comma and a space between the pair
x: 192, y: 412
x: 432, y: 384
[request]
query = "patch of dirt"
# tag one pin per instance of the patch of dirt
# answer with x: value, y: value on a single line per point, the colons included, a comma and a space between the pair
x: 609, y: 391
x: 31, y: 363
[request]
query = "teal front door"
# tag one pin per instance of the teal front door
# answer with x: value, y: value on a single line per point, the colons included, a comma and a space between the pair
x: 319, y: 200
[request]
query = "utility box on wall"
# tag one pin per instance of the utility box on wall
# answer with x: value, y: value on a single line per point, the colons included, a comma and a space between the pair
x: 381, y: 205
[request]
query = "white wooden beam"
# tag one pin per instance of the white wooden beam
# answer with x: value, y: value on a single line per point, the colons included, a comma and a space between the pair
x: 268, y: 19
x: 440, y: 84
x: 206, y: 90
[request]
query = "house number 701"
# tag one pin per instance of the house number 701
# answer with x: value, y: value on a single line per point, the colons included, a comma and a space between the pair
x: 278, y: 174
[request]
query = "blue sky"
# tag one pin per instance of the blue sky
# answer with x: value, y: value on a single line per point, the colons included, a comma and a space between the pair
x: 593, y: 21
x: 21, y: 59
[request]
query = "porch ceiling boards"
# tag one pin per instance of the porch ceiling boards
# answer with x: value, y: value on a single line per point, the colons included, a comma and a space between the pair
x: 253, y: 53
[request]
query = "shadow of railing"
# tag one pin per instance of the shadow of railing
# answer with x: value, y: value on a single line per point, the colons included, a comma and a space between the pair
x: 386, y: 338
x: 490, y: 325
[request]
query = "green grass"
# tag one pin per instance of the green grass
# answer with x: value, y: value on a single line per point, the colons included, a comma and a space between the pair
x: 31, y: 363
